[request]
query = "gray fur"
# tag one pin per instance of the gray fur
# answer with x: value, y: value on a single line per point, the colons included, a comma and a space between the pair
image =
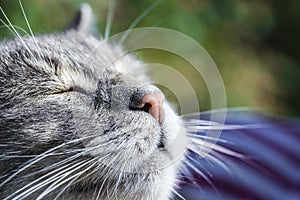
x: 66, y: 120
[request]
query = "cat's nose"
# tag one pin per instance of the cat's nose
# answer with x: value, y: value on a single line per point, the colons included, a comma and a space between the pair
x: 152, y: 103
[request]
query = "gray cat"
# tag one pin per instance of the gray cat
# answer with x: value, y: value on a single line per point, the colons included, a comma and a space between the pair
x: 73, y: 126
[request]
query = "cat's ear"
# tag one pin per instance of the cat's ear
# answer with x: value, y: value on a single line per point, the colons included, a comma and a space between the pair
x: 84, y: 21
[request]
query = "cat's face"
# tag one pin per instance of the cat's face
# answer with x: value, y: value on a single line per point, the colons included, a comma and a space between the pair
x: 75, y: 124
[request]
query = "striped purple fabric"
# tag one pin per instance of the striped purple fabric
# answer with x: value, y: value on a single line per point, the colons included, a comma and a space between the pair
x: 269, y: 168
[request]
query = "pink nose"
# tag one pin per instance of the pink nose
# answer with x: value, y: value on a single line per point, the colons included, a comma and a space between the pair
x: 153, y: 104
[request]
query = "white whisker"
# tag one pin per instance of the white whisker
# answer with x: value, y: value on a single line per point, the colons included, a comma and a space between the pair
x: 55, y: 165
x: 39, y: 158
x: 28, y: 25
x: 17, y: 34
x: 8, y: 27
x: 138, y: 19
x: 195, y: 125
x: 17, y: 156
x: 98, y: 195
x: 32, y: 35
x: 119, y: 179
x: 87, y: 150
x: 16, y: 27
x: 100, y: 189
x: 177, y: 194
x: 218, y: 161
x: 36, y: 187
x: 198, y: 172
x: 31, y: 162
x: 199, y: 164
x: 63, y: 179
x: 109, y: 18
x: 205, y: 144
x: 205, y: 137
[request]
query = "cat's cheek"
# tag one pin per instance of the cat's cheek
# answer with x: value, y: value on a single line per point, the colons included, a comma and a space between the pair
x: 172, y: 123
x: 175, y: 135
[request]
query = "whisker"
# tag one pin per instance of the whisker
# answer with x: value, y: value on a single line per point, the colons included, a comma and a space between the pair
x: 212, y: 158
x: 100, y: 189
x: 198, y: 171
x: 8, y: 27
x: 205, y: 137
x: 194, y: 125
x: 199, y: 164
x: 28, y: 25
x: 16, y: 27
x: 86, y: 150
x: 17, y: 34
x: 96, y: 163
x: 38, y: 158
x: 205, y: 144
x: 30, y: 163
x: 17, y: 156
x: 109, y: 18
x: 54, y: 178
x: 219, y: 162
x: 62, y: 180
x: 99, y: 192
x: 25, y: 18
x: 184, y: 171
x: 41, y: 184
x: 177, y: 194
x: 119, y: 177
x: 137, y: 20
x: 62, y: 162
x: 79, y: 153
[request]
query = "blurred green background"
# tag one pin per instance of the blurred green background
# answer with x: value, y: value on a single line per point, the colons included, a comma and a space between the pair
x: 253, y: 43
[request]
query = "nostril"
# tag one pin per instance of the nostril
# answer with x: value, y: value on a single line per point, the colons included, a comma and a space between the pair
x: 146, y: 107
x: 152, y: 103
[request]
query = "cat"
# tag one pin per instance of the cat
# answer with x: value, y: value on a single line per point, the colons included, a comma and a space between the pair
x: 73, y: 126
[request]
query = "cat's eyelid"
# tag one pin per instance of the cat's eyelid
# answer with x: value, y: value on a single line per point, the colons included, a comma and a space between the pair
x: 74, y: 89
x: 80, y: 90
x: 67, y: 89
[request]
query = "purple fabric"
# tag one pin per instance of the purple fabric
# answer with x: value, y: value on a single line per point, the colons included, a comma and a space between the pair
x: 270, y: 168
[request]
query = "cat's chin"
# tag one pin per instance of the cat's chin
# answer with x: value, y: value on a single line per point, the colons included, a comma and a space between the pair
x: 149, y: 183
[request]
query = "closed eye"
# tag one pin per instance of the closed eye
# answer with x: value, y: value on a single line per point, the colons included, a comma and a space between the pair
x: 68, y: 89
x: 73, y: 89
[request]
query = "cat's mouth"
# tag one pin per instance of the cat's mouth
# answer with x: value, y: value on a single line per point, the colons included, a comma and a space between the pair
x: 161, y: 144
